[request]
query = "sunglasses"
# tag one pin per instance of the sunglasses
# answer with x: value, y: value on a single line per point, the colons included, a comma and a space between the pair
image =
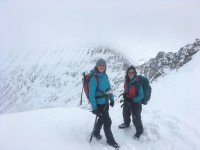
x: 131, y: 72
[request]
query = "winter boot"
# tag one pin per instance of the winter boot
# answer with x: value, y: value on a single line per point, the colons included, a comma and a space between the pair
x: 137, y: 136
x: 98, y: 136
x: 113, y: 144
x: 123, y: 125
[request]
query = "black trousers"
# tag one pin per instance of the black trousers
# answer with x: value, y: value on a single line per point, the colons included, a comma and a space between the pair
x: 106, y: 121
x: 135, y: 109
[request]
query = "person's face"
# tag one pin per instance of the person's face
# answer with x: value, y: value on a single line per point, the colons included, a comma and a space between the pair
x: 131, y: 74
x: 101, y: 68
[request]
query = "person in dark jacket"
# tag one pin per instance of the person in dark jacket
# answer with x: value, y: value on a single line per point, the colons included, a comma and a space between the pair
x: 98, y: 86
x: 133, y: 94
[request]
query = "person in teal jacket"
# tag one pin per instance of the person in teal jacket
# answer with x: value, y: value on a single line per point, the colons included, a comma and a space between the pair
x: 98, y: 86
x: 133, y: 95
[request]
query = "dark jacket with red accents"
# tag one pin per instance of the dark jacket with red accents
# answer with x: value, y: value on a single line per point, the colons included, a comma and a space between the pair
x: 134, y: 89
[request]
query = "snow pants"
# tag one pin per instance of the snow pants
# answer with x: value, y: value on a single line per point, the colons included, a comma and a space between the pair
x: 104, y: 121
x: 135, y: 109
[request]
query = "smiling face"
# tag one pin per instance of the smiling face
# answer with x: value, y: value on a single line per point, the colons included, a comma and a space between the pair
x: 131, y: 74
x: 101, y: 68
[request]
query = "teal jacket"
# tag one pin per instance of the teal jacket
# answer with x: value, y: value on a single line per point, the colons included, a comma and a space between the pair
x: 103, y: 85
x: 139, y: 88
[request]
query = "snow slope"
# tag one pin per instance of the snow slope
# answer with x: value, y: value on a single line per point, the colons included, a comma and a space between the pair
x: 52, y: 78
x: 170, y: 121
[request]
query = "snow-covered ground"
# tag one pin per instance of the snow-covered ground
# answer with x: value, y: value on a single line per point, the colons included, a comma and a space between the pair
x: 171, y: 121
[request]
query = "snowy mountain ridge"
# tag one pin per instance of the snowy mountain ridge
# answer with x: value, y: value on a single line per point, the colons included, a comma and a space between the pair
x: 170, y: 121
x: 165, y: 62
x: 52, y: 78
x: 47, y: 79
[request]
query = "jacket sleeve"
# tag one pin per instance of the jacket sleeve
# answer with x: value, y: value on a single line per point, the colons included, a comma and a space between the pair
x: 111, y: 97
x: 92, y: 92
x: 140, y: 95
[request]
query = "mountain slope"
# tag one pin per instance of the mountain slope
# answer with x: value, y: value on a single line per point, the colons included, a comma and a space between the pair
x: 48, y: 79
x: 52, y: 78
x: 165, y: 62
x: 170, y: 121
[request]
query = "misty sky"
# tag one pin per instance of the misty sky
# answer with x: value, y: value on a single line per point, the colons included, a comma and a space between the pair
x: 139, y: 28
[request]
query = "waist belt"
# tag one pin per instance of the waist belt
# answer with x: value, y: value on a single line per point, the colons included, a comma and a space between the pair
x: 102, y: 96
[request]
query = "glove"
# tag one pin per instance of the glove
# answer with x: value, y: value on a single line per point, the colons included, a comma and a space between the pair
x: 127, y: 99
x: 97, y: 112
x: 124, y: 96
x: 112, y: 103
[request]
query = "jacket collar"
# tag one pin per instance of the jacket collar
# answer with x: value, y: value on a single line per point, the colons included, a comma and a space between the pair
x: 99, y: 74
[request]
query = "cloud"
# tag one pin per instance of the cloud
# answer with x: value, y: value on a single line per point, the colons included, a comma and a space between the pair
x: 132, y: 26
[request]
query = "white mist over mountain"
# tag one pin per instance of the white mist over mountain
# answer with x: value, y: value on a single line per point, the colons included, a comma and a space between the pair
x: 137, y: 28
x: 45, y: 45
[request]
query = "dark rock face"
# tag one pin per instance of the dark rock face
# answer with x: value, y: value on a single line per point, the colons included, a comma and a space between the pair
x: 165, y: 62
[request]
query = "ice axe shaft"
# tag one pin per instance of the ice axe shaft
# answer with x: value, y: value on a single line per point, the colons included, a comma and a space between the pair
x: 92, y: 134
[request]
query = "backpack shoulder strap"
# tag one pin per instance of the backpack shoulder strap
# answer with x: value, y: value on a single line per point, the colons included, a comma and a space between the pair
x: 106, y: 75
x: 97, y: 79
x: 137, y: 83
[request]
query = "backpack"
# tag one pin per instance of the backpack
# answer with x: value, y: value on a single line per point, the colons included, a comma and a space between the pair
x: 86, y: 79
x: 146, y: 88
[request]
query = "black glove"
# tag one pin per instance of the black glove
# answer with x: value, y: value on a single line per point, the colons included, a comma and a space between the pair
x: 112, y: 103
x: 97, y: 112
x: 127, y: 99
x: 124, y: 96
